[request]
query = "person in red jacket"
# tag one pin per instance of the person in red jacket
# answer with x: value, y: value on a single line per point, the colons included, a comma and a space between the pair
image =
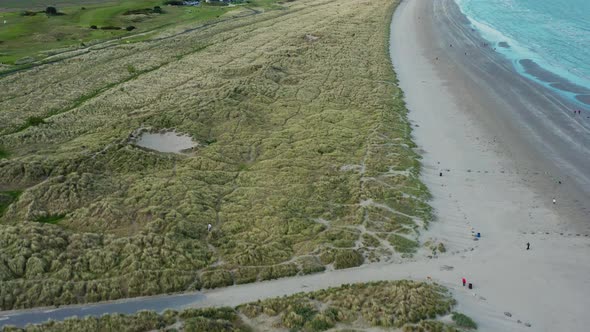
x: 464, y: 282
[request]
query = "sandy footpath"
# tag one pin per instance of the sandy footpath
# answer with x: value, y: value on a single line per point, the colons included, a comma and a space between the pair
x: 491, y: 184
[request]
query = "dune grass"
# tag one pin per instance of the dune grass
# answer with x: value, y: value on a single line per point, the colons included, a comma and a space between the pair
x: 7, y: 198
x: 51, y: 219
x: 463, y: 321
x: 305, y: 160
x: 401, y: 305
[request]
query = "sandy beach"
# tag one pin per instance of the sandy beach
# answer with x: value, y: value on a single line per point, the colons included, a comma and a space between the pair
x: 502, y: 144
x: 479, y: 124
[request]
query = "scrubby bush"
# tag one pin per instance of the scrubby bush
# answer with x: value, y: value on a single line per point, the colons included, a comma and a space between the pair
x: 130, y: 28
x: 246, y: 275
x: 3, y: 152
x: 403, y: 244
x: 131, y: 69
x: 347, y: 258
x: 216, y: 278
x: 35, y: 121
x: 174, y: 3
x: 311, y: 265
x: 50, y: 219
x: 51, y: 11
x: 463, y: 321
x: 278, y: 271
x: 93, y: 27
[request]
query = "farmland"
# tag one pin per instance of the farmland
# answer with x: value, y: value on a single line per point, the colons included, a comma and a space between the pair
x: 30, y: 35
x: 304, y: 160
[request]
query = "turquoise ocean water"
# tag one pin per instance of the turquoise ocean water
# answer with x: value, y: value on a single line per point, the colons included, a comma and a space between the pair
x: 554, y: 34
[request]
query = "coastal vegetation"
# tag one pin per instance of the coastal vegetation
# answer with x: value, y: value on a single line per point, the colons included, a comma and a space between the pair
x: 304, y: 161
x: 405, y: 305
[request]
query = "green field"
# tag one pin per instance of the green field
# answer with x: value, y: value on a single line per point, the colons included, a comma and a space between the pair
x: 304, y: 160
x: 27, y: 38
x: 401, y: 305
x: 16, y: 5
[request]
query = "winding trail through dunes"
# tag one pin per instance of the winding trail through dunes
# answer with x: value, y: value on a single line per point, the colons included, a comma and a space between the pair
x: 482, y: 190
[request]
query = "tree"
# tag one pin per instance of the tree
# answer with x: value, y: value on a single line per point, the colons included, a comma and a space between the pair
x: 52, y: 11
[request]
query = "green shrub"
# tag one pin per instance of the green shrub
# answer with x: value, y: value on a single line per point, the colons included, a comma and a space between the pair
x: 402, y: 244
x: 245, y: 275
x: 50, y: 219
x: 216, y: 278
x: 174, y: 3
x: 7, y: 198
x: 278, y: 271
x: 3, y: 153
x: 131, y: 69
x: 327, y: 256
x: 370, y: 241
x: 347, y: 258
x: 35, y: 121
x: 311, y: 265
x: 320, y: 323
x: 463, y: 321
x: 51, y: 11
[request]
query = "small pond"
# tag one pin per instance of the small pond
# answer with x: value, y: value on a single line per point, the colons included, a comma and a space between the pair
x: 170, y: 142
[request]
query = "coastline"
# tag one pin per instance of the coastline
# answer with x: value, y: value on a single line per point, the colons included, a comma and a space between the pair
x: 471, y: 119
x: 532, y: 125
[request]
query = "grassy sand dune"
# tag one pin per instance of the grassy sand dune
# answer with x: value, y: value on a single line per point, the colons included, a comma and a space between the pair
x: 304, y: 161
x: 405, y: 305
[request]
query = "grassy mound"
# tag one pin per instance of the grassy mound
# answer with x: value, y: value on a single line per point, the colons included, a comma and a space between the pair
x: 463, y: 321
x: 304, y: 159
x: 405, y: 305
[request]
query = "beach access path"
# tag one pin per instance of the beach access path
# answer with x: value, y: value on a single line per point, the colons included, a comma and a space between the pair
x: 484, y: 188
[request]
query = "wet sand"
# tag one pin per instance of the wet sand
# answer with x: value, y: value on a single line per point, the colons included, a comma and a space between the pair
x: 531, y: 126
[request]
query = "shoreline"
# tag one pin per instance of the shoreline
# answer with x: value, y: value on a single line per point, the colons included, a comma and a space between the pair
x: 494, y: 181
x: 533, y: 126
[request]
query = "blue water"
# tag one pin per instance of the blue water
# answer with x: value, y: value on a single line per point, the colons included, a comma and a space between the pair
x: 555, y: 34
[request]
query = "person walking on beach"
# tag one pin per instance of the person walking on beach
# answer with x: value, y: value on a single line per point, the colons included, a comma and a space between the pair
x: 464, y: 281
x: 528, y: 246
